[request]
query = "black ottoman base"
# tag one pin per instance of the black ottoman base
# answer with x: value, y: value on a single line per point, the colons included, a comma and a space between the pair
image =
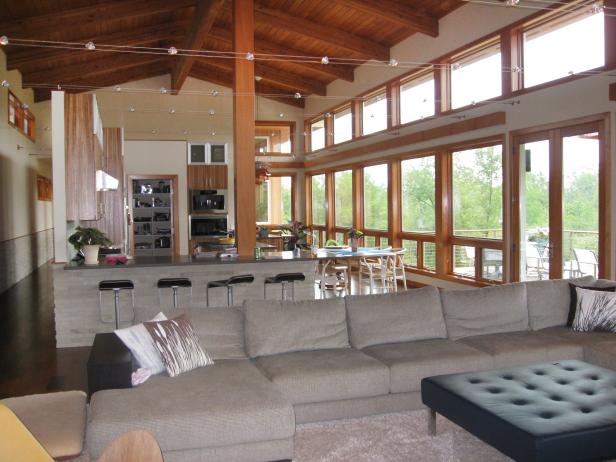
x: 563, y: 411
x: 110, y: 364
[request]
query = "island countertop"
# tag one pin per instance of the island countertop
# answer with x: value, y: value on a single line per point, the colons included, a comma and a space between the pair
x: 183, y: 260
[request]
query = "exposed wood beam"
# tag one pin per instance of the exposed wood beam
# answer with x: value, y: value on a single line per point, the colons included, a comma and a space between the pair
x: 106, y: 12
x: 336, y: 71
x: 322, y: 33
x: 203, y: 20
x: 112, y: 78
x: 41, y: 58
x: 224, y: 77
x: 395, y: 12
x: 290, y: 83
x: 94, y: 68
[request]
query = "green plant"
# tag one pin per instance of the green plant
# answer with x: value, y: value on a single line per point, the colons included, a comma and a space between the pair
x: 331, y: 242
x: 355, y: 234
x: 298, y: 230
x: 88, y: 236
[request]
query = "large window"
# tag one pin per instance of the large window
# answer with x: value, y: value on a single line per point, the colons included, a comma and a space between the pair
x: 343, y: 192
x: 418, y: 195
x: 476, y: 77
x: 274, y: 137
x: 477, y: 192
x: 274, y: 200
x: 374, y: 114
x: 317, y: 135
x: 318, y: 199
x: 417, y: 98
x: 343, y: 125
x: 375, y: 197
x: 565, y: 45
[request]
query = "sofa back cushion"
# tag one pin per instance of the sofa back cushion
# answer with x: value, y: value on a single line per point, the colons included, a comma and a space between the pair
x: 220, y: 330
x: 397, y: 317
x: 549, y: 301
x: 274, y: 326
x: 489, y: 310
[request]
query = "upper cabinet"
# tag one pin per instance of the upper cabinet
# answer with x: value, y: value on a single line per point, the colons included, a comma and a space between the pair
x: 207, y: 153
x: 84, y: 155
x: 207, y: 177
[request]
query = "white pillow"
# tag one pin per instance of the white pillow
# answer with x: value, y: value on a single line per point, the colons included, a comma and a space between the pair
x: 139, y: 341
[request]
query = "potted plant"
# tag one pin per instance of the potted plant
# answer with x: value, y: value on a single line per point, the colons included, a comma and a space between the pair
x: 299, y: 233
x: 354, y: 235
x: 262, y: 232
x: 89, y: 241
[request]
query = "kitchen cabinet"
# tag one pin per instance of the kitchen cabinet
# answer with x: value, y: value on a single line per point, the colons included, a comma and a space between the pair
x: 207, y: 177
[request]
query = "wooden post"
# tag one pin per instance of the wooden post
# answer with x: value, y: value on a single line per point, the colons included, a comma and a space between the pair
x: 244, y: 126
x: 610, y: 34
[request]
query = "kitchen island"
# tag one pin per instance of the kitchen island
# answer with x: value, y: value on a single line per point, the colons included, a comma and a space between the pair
x: 76, y: 295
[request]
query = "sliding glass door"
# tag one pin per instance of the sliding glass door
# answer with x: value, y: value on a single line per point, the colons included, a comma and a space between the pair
x: 558, y: 203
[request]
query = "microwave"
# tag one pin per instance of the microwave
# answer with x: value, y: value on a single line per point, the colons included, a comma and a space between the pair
x: 208, y: 226
x: 209, y: 200
x: 207, y: 153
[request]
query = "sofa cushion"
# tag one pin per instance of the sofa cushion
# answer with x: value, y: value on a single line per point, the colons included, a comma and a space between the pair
x: 409, y: 362
x: 220, y: 330
x: 326, y: 375
x: 485, y: 311
x: 56, y: 420
x: 521, y: 348
x: 227, y: 403
x: 396, y: 317
x: 601, y: 353
x: 549, y: 301
x: 580, y: 338
x: 274, y: 326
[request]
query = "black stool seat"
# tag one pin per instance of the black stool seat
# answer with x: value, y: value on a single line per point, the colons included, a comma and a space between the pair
x: 166, y: 283
x: 244, y: 278
x: 114, y: 284
x: 560, y: 411
x: 285, y: 277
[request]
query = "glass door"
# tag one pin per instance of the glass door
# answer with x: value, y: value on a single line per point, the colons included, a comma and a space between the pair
x: 559, y: 214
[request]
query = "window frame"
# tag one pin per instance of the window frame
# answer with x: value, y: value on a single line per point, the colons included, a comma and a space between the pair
x: 277, y: 123
x: 380, y: 91
x: 417, y: 75
x: 294, y: 185
x: 25, y: 121
x: 346, y: 107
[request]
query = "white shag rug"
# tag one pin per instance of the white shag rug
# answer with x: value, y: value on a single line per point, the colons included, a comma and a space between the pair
x: 399, y: 437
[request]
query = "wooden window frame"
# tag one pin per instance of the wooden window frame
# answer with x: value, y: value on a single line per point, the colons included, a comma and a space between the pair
x: 294, y: 187
x: 401, y: 82
x: 278, y: 123
x: 384, y: 90
x: 345, y: 107
x: 21, y: 115
x: 309, y: 125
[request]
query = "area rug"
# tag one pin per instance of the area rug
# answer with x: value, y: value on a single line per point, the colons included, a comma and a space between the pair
x: 395, y: 437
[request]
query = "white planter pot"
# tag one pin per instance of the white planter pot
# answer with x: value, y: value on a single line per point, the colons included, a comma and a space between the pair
x: 91, y: 254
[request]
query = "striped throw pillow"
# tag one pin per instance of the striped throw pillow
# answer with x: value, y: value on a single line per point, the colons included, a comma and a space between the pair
x: 177, y: 345
x: 596, y: 311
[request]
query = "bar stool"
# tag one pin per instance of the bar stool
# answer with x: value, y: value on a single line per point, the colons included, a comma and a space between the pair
x: 174, y: 284
x: 228, y: 283
x: 283, y: 279
x: 117, y: 285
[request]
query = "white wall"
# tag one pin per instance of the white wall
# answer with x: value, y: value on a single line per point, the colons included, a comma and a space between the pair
x: 161, y: 158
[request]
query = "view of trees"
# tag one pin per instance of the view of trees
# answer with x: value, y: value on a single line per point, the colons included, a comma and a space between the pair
x: 273, y: 200
x: 318, y: 199
x: 418, y: 195
x: 375, y: 197
x: 343, y: 186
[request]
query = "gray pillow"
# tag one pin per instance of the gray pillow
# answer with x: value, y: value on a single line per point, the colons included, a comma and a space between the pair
x: 220, y: 330
x: 549, y: 301
x: 274, y: 326
x: 397, y: 317
x: 485, y: 311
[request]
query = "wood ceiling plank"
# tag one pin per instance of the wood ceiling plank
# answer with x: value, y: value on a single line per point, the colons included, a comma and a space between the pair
x: 42, y: 58
x: 101, y: 13
x: 335, y: 71
x: 204, y: 18
x: 395, y: 12
x: 321, y: 32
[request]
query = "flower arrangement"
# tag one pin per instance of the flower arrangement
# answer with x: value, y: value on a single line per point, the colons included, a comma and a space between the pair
x: 299, y: 231
x: 355, y: 234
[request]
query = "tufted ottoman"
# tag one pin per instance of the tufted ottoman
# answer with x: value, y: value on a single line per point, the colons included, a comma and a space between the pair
x: 563, y: 411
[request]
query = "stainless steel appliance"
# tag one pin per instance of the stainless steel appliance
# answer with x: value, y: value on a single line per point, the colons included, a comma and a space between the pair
x: 208, y: 226
x: 209, y: 200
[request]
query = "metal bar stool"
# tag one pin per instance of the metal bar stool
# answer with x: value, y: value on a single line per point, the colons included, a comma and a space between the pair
x: 228, y: 283
x: 116, y: 285
x: 283, y: 279
x: 174, y: 284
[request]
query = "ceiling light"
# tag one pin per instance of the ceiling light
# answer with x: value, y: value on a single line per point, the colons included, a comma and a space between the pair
x: 131, y: 109
x: 281, y: 115
x: 213, y: 133
x: 512, y: 2
x: 4, y: 40
x: 25, y: 106
x: 212, y: 112
x: 324, y: 60
x: 393, y: 62
x: 258, y: 78
x: 90, y: 46
x: 596, y: 8
x: 185, y: 132
x: 298, y: 95
x: 153, y: 132
x: 118, y: 89
x: 172, y: 51
x: 5, y: 84
x: 250, y: 56
x: 214, y: 92
x: 328, y: 114
x: 515, y: 68
x: 171, y: 110
x: 163, y: 90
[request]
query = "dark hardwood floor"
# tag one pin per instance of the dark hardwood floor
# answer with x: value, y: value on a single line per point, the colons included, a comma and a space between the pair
x: 29, y: 360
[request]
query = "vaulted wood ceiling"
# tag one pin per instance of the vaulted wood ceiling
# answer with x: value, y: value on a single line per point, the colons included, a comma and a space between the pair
x: 357, y: 29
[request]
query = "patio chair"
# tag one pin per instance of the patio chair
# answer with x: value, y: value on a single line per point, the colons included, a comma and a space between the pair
x: 586, y: 261
x: 535, y: 263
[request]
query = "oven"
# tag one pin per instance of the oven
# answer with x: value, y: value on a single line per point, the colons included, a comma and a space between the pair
x: 209, y: 200
x: 202, y: 226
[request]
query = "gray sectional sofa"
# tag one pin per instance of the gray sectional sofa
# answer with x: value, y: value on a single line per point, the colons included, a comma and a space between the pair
x: 278, y: 364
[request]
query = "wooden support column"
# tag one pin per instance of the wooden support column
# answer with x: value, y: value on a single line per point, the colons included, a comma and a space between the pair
x: 395, y: 208
x: 244, y: 126
x: 610, y: 34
